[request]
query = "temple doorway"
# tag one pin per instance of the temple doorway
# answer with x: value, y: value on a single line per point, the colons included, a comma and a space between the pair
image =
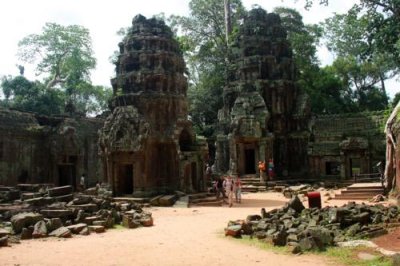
x: 355, y: 166
x: 125, y: 179
x: 67, y: 175
x: 250, y: 161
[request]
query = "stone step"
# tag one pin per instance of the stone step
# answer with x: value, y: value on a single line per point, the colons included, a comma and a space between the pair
x: 354, y: 197
x: 132, y: 199
x: 182, y: 202
x: 198, y: 195
x: 358, y: 191
x: 215, y: 203
x: 208, y: 199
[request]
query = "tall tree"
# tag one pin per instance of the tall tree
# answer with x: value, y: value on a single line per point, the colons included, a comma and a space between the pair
x: 60, y: 53
x: 359, y: 63
x: 204, y: 42
x: 327, y: 93
x: 64, y: 56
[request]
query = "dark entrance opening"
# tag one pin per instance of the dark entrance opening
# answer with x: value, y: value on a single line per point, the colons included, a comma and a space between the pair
x: 332, y: 168
x: 67, y: 175
x: 250, y: 161
x: 125, y: 179
x: 355, y: 166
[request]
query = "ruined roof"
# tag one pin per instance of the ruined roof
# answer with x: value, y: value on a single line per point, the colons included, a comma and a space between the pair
x: 17, y: 120
x: 351, y: 124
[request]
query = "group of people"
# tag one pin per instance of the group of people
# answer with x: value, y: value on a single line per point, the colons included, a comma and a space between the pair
x: 262, y: 168
x: 229, y: 187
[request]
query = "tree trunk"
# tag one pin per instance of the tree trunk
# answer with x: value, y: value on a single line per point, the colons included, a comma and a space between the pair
x: 391, y: 146
x: 228, y: 22
x: 228, y: 31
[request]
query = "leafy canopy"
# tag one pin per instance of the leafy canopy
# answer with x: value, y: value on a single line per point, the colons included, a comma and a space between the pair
x: 60, y: 53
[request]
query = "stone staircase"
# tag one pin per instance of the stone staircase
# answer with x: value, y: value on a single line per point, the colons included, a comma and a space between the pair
x: 251, y: 183
x: 204, y: 199
x: 361, y: 191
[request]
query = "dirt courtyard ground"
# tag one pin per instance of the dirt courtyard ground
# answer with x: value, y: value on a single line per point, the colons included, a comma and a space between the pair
x: 180, y: 236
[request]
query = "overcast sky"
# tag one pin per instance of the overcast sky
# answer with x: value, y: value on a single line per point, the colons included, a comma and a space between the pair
x: 103, y: 18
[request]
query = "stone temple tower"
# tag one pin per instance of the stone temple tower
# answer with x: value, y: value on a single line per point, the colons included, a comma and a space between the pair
x: 147, y: 143
x: 265, y: 115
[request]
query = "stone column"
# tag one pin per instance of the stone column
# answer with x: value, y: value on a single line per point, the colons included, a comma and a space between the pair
x: 261, y: 147
x: 233, y: 161
x: 342, y: 165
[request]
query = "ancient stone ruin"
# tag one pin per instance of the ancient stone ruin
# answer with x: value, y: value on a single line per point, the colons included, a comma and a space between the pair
x: 147, y: 144
x: 304, y: 229
x: 39, y: 211
x: 344, y: 145
x: 265, y: 115
x: 40, y: 149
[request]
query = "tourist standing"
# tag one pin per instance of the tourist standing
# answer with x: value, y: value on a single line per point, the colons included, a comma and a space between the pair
x: 271, y: 172
x: 208, y: 173
x: 261, y: 169
x: 229, y: 188
x: 238, y: 190
x: 82, y: 182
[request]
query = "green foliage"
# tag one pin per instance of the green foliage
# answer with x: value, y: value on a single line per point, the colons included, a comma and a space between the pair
x: 60, y: 52
x: 396, y: 99
x: 25, y: 95
x: 28, y: 96
x: 64, y: 56
x: 207, y: 55
x: 327, y: 93
x: 348, y: 256
x: 359, y: 64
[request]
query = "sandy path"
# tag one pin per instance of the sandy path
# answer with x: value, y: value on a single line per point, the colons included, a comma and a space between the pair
x: 180, y: 236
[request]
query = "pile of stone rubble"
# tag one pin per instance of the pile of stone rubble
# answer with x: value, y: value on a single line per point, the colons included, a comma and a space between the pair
x: 59, y: 212
x: 305, y: 229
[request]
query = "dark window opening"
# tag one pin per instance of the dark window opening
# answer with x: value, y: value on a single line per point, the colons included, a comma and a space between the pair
x: 332, y: 168
x: 185, y: 141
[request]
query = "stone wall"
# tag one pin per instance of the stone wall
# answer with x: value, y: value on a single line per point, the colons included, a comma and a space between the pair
x: 343, y: 145
x: 40, y: 149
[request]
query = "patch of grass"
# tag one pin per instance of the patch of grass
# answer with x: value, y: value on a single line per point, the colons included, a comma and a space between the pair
x: 118, y: 227
x: 348, y: 256
x: 341, y: 255
x: 254, y: 242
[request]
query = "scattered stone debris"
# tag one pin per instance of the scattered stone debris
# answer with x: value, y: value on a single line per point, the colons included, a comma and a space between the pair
x: 311, y: 228
x: 58, y: 212
x: 378, y: 198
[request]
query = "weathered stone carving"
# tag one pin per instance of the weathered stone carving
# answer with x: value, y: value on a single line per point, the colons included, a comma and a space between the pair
x: 263, y: 107
x: 147, y: 143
